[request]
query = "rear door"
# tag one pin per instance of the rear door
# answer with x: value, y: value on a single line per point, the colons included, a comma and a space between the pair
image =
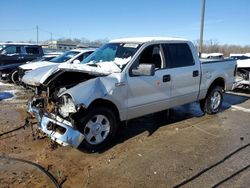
x: 31, y: 52
x: 184, y: 73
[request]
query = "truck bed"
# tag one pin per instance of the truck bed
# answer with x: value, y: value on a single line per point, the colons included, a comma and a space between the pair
x: 205, y: 61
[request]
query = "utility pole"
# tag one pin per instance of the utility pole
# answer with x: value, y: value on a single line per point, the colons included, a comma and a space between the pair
x: 51, y: 40
x: 202, y: 26
x: 37, y: 34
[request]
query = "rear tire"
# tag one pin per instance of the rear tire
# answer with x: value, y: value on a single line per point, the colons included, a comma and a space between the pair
x: 212, y: 103
x: 99, y: 127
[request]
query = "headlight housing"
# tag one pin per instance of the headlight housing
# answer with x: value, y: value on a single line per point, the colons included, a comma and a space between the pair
x: 66, y: 106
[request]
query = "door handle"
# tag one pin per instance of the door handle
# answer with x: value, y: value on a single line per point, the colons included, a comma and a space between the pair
x: 166, y: 78
x: 195, y: 73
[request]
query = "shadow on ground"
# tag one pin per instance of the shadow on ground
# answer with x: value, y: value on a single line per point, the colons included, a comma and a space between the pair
x: 232, y: 99
x: 151, y: 123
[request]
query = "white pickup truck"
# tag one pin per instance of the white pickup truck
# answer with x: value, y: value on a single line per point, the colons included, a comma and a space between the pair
x: 124, y: 79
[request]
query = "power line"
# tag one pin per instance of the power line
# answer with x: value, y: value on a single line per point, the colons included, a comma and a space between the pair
x: 49, y: 32
x: 36, y: 29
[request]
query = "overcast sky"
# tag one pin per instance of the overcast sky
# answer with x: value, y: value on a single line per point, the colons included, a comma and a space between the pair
x: 226, y: 21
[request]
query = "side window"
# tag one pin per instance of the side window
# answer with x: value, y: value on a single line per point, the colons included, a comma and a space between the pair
x: 151, y: 55
x: 80, y: 57
x: 179, y: 55
x: 32, y: 50
x: 83, y: 56
x: 13, y: 50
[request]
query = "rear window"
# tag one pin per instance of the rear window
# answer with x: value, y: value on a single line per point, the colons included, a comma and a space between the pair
x: 32, y: 50
x: 178, y: 55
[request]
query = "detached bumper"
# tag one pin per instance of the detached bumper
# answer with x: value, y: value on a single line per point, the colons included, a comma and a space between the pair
x: 58, y: 129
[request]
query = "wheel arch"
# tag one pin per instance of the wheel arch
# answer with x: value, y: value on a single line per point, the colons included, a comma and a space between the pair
x: 217, y: 82
x: 107, y: 104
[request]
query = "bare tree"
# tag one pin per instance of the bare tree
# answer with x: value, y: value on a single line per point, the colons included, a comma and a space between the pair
x: 212, y: 46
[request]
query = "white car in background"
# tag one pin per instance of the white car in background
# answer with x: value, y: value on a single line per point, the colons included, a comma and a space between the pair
x: 212, y: 55
x: 73, y: 56
x: 243, y: 70
x: 46, y: 57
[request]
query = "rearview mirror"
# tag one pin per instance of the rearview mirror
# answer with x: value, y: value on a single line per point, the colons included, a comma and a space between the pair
x: 76, y: 61
x: 144, y: 70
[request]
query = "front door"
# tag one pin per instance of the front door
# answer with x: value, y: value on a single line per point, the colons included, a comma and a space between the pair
x: 148, y: 94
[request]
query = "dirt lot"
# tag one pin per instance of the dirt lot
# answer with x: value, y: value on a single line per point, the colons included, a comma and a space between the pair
x: 160, y: 150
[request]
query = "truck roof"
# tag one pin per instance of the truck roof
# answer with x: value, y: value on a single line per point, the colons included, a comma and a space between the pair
x: 146, y: 39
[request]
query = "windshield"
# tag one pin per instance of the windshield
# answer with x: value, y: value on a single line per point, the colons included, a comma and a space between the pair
x: 64, y: 57
x: 117, y: 53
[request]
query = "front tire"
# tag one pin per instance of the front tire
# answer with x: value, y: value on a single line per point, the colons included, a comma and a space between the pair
x: 213, y: 101
x: 99, y: 127
x: 14, y: 77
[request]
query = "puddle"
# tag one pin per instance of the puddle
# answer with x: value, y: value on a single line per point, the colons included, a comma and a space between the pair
x: 232, y: 99
x: 5, y: 95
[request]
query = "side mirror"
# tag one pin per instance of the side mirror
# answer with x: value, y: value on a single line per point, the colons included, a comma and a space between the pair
x: 76, y: 61
x: 144, y: 70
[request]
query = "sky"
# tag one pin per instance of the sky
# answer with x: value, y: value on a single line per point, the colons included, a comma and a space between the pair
x: 226, y: 21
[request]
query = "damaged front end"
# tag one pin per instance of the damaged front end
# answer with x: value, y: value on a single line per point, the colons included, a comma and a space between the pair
x: 58, y: 129
x: 54, y: 114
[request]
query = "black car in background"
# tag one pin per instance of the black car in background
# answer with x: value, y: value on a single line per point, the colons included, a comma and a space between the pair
x: 12, y: 55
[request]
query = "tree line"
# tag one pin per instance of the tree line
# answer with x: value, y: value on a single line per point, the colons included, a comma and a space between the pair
x: 213, y: 46
x: 209, y: 46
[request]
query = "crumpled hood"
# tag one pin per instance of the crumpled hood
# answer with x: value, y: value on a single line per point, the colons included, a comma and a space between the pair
x: 39, y: 75
x: 35, y: 65
x: 100, y: 68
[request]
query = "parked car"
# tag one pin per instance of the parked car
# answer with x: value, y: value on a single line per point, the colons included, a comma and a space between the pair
x: 72, y: 56
x: 124, y: 79
x: 243, y: 70
x: 12, y: 55
x: 212, y: 55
